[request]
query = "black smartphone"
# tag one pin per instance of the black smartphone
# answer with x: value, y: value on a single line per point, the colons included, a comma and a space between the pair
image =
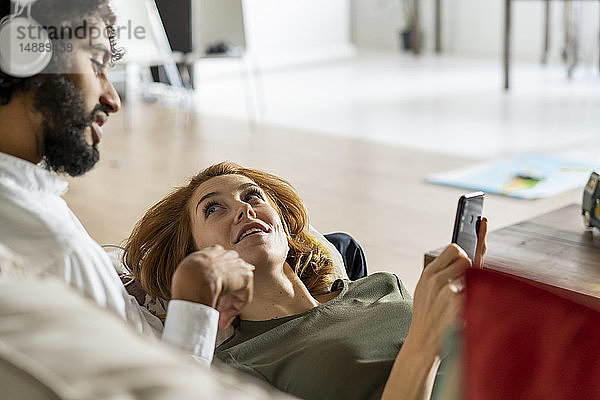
x: 466, y: 223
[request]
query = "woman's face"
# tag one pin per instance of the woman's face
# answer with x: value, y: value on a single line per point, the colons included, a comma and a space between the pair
x: 234, y: 212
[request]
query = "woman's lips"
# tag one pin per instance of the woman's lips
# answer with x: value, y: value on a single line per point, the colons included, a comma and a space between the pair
x: 256, y: 225
x: 252, y: 234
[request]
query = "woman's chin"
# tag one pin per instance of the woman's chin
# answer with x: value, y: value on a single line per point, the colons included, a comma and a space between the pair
x: 262, y: 259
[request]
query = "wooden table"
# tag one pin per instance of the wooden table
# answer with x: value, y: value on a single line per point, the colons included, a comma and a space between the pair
x: 553, y: 250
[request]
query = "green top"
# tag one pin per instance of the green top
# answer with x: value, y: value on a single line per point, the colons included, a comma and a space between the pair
x: 342, y: 349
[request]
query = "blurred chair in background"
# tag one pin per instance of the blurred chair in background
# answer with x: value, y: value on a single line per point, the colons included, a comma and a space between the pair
x: 217, y: 30
x: 145, y: 41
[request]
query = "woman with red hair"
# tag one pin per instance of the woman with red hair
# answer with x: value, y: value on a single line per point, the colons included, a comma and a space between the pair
x: 296, y: 325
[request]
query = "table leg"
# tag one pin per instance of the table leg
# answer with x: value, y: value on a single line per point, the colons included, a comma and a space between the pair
x: 507, y: 12
x: 567, y: 30
x: 546, y: 32
x: 438, y: 28
x: 573, y: 44
x: 416, y: 29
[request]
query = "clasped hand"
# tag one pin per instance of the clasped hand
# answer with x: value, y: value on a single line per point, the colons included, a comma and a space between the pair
x: 215, y: 277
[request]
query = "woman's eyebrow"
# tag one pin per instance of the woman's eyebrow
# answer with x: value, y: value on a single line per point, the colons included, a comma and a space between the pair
x: 245, y: 186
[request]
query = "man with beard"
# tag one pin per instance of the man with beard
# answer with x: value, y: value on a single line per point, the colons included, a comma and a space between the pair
x: 51, y: 123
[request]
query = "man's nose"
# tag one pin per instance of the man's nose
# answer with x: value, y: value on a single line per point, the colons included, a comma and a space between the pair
x: 245, y: 210
x: 110, y: 97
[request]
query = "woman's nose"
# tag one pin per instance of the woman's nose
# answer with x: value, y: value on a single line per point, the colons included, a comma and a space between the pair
x: 245, y: 210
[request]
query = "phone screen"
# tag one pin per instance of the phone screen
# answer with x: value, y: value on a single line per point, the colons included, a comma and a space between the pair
x: 466, y: 223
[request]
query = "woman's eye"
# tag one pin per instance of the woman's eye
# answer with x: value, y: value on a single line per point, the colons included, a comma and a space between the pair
x: 209, y: 209
x: 253, y: 195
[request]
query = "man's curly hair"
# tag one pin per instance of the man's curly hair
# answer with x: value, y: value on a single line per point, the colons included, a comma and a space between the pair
x: 67, y: 13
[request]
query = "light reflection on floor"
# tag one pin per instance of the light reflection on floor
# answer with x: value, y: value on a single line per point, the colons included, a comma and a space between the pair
x: 442, y: 104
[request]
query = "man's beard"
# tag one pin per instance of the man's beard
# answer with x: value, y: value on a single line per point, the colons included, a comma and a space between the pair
x: 64, y: 120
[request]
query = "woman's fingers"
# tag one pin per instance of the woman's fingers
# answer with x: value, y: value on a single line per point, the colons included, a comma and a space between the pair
x: 434, y: 313
x: 207, y: 275
x: 439, y: 295
x: 451, y: 275
x: 448, y: 255
x: 457, y: 285
x: 481, y: 244
x: 237, y: 275
x: 443, y: 271
x: 451, y: 253
x: 230, y: 305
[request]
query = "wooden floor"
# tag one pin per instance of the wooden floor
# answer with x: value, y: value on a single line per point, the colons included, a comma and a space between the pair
x: 373, y: 191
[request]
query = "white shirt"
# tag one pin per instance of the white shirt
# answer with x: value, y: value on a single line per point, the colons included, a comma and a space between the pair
x: 36, y: 223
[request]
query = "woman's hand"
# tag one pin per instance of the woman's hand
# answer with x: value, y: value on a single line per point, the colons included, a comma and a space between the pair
x: 215, y: 277
x: 439, y: 292
x: 438, y: 299
x: 437, y: 304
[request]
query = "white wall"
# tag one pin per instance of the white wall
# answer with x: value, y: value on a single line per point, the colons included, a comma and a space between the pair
x: 280, y: 32
x: 375, y: 23
x: 475, y: 27
x: 217, y: 21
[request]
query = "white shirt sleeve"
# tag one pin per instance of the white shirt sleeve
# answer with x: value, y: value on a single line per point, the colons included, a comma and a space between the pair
x: 192, y: 327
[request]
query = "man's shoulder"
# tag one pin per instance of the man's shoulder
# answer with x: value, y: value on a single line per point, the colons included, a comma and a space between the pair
x: 62, y: 249
x: 41, y: 233
x: 21, y: 222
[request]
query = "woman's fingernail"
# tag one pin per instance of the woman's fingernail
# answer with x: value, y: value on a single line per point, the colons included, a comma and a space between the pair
x: 457, y: 285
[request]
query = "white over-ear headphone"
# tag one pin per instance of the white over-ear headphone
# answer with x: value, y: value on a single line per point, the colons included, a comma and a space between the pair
x: 25, y: 48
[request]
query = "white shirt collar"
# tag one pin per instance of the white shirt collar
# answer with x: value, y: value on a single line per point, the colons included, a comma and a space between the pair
x: 31, y: 176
